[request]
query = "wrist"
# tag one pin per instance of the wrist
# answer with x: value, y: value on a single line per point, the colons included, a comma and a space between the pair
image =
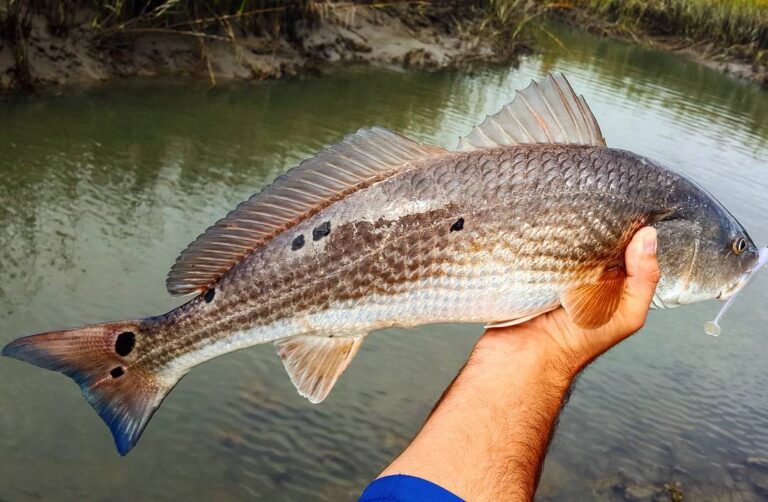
x: 519, y: 349
x: 488, y: 433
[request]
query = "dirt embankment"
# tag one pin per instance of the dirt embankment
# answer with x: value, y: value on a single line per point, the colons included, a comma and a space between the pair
x: 728, y: 60
x: 42, y: 53
x: 395, y: 35
x: 741, y: 61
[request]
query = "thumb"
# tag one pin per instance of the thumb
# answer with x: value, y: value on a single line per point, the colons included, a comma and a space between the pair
x: 642, y: 272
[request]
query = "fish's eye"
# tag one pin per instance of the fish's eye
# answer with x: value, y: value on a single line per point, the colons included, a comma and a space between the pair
x: 739, y: 245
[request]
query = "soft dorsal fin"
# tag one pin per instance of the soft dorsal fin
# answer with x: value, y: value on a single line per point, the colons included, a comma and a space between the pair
x: 314, y: 363
x: 361, y: 158
x: 546, y: 112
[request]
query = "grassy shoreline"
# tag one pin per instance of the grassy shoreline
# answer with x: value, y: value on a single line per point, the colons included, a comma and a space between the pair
x: 729, y: 34
x: 724, y: 22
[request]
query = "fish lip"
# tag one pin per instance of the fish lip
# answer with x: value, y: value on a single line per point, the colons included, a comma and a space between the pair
x: 729, y: 291
x: 762, y: 259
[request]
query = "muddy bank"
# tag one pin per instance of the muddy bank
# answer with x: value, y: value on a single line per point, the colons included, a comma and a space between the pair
x: 78, y: 51
x: 728, y: 60
x: 740, y: 61
x: 401, y: 35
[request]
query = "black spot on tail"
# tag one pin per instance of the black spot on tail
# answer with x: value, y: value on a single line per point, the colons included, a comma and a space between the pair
x: 117, y: 372
x: 209, y: 294
x: 458, y: 225
x: 125, y: 343
x: 297, y: 243
x: 321, y: 231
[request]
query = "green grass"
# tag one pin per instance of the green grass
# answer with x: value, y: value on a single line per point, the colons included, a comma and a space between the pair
x: 731, y: 22
x: 738, y: 27
x: 192, y: 15
x: 726, y: 23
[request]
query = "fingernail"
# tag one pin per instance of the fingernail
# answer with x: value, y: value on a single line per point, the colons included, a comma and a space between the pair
x: 649, y: 243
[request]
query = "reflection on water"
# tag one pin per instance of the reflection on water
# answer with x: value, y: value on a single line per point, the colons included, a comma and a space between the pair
x: 99, y: 190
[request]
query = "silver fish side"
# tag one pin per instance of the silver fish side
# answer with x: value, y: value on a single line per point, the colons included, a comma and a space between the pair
x: 535, y: 220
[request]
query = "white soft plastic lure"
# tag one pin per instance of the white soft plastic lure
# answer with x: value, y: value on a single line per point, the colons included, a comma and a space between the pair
x: 713, y: 327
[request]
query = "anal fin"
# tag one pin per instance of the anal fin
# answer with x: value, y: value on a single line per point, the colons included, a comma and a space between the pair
x: 592, y: 305
x: 314, y: 363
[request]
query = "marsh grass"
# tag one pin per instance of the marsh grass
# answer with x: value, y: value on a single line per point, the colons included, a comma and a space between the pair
x: 112, y: 16
x: 734, y: 27
x: 259, y: 16
x: 727, y: 22
x: 738, y: 26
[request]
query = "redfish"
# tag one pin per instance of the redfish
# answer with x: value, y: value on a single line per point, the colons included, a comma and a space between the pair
x: 531, y: 212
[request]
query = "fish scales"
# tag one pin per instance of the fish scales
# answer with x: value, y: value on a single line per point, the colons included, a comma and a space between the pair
x: 535, y: 216
x: 531, y: 212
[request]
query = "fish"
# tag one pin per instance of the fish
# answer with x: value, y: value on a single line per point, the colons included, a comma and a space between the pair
x: 532, y: 211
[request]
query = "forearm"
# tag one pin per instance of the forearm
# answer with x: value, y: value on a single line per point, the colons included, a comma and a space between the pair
x: 487, y: 437
x: 486, y: 441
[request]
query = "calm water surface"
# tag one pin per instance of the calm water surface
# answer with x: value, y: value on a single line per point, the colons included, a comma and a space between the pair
x: 100, y: 190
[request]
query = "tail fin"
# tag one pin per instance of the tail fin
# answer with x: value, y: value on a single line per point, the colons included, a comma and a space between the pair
x: 100, y: 358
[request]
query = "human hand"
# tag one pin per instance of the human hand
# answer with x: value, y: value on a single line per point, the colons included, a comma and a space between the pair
x: 487, y: 436
x: 564, y: 347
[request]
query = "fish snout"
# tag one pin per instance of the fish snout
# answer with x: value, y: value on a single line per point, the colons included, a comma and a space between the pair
x: 738, y: 285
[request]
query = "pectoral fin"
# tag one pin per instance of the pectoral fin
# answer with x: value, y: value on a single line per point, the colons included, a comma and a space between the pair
x: 592, y: 305
x: 314, y: 363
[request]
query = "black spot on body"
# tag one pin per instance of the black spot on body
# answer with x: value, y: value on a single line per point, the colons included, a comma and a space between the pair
x: 457, y: 225
x: 321, y: 231
x: 209, y: 294
x: 117, y: 372
x: 124, y: 343
x: 297, y: 243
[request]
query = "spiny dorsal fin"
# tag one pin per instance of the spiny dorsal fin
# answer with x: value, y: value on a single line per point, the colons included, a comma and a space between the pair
x: 549, y: 112
x: 360, y: 158
x: 314, y: 363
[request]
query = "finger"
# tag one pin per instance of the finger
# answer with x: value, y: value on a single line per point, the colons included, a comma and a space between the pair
x: 642, y: 272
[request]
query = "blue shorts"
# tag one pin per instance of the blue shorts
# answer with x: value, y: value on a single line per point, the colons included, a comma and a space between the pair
x: 402, y: 488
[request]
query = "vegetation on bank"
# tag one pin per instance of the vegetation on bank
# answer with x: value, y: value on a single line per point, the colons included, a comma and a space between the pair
x: 736, y: 28
x: 731, y: 29
x: 730, y: 22
x: 726, y: 22
x: 300, y: 34
x: 722, y: 31
x: 185, y: 17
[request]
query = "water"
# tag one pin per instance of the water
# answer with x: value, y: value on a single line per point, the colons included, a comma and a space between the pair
x: 100, y: 190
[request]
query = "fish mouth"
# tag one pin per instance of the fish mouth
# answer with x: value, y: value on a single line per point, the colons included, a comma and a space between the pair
x: 728, y: 292
x: 712, y: 327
